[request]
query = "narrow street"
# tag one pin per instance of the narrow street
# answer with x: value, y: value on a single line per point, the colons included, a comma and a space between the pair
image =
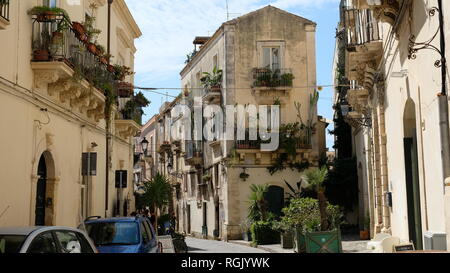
x: 209, y: 246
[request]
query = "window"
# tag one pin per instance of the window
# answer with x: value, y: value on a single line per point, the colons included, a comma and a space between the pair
x: 51, y: 3
x: 144, y: 234
x: 44, y: 243
x: 148, y: 230
x: 10, y: 244
x: 215, y: 62
x: 271, y: 57
x: 69, y: 241
x: 118, y: 233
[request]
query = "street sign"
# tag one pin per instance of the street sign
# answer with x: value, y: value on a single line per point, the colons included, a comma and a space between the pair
x: 89, y: 164
x: 121, y: 179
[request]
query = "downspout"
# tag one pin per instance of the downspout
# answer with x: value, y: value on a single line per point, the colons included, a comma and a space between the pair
x: 108, y: 117
x: 443, y: 102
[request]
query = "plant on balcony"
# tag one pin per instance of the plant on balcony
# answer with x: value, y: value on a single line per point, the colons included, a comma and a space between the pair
x: 212, y: 80
x: 126, y: 89
x: 121, y: 71
x: 41, y: 47
x: 190, y: 56
x: 266, y: 77
x: 46, y: 14
x: 133, y: 108
x: 207, y: 178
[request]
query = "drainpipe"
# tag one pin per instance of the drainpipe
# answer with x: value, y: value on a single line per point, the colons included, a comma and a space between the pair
x: 108, y: 121
x: 443, y: 101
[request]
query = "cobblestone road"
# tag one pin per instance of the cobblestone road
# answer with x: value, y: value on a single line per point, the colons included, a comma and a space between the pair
x: 208, y: 246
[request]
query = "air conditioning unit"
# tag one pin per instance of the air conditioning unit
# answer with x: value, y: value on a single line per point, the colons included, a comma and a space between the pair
x: 435, y: 241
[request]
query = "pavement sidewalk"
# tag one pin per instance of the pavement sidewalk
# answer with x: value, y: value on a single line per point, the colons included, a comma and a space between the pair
x: 349, y: 245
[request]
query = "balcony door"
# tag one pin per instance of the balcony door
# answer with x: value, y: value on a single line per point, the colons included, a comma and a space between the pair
x: 272, y: 58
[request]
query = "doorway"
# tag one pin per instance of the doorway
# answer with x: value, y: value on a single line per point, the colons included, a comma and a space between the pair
x: 188, y: 219
x: 41, y: 191
x: 412, y: 175
x: 275, y: 200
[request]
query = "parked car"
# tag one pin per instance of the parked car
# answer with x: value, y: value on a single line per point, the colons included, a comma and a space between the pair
x: 123, y: 235
x: 39, y: 240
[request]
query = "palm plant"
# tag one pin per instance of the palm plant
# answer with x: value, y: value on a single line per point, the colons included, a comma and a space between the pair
x: 157, y: 193
x: 258, y: 204
x: 316, y: 179
x: 213, y: 79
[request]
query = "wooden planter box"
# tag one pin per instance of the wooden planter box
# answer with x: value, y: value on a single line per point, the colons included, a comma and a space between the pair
x: 324, y: 242
x: 287, y: 240
x: 299, y: 242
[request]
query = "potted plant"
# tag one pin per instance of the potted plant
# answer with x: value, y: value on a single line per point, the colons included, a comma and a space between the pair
x: 46, y: 14
x: 206, y: 178
x: 365, y: 234
x: 80, y: 32
x: 41, y: 49
x: 245, y: 229
x: 213, y: 80
x: 287, y: 236
x: 121, y: 71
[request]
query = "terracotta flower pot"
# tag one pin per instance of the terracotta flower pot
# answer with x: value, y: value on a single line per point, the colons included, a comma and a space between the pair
x: 41, y: 55
x: 111, y: 68
x: 92, y: 48
x: 103, y: 60
x: 364, y: 235
x: 216, y: 88
x: 46, y: 16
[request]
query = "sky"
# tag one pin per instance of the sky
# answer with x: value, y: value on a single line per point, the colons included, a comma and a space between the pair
x: 170, y: 26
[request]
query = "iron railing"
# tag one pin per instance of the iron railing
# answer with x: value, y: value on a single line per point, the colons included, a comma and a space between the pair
x: 193, y: 149
x: 302, y: 141
x: 55, y: 40
x: 266, y: 77
x: 361, y: 26
x: 4, y: 9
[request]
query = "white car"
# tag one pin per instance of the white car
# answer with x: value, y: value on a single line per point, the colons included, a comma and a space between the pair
x: 38, y: 240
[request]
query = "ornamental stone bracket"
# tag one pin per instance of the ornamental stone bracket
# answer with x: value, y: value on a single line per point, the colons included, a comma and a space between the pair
x: 56, y: 78
x: 3, y: 23
x: 126, y: 128
x: 385, y: 10
x: 267, y: 95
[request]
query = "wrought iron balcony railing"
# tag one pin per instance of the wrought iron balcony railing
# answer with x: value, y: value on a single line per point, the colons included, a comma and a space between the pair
x: 193, y: 149
x: 302, y: 140
x: 361, y: 26
x: 54, y: 40
x: 266, y: 77
x: 4, y: 9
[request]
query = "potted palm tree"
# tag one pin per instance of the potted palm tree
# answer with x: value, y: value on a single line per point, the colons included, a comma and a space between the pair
x: 213, y: 80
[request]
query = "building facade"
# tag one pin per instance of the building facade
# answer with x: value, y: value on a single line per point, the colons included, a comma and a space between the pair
x: 58, y: 103
x: 390, y: 94
x: 212, y: 175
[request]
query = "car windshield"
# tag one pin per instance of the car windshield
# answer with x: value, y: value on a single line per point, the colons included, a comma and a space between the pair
x: 11, y: 243
x: 113, y: 233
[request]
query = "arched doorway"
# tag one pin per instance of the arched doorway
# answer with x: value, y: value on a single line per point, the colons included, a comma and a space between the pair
x: 45, y: 191
x: 275, y: 200
x: 412, y: 174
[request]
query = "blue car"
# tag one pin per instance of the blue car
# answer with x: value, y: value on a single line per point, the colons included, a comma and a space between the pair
x: 123, y: 235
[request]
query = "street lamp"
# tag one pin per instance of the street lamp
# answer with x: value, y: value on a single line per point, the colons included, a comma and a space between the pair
x: 144, y: 144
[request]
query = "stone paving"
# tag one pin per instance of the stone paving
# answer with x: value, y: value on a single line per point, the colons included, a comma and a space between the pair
x: 349, y: 245
x: 209, y: 246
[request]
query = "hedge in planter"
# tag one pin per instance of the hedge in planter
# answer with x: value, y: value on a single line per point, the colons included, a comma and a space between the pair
x: 263, y: 233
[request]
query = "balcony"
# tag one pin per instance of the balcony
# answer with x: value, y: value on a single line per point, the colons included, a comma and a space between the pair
x: 194, y: 153
x: 4, y: 14
x: 388, y: 10
x: 67, y: 70
x: 164, y: 147
x: 268, y: 82
x: 212, y: 96
x: 364, y: 44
